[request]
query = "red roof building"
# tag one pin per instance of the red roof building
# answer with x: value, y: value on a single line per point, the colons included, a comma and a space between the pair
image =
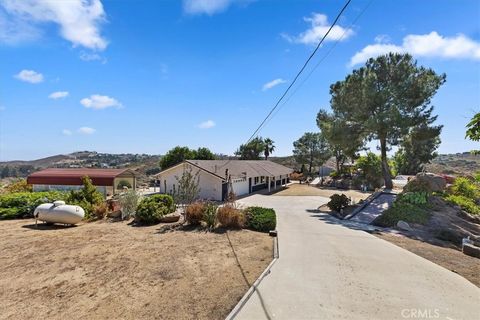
x: 108, y: 181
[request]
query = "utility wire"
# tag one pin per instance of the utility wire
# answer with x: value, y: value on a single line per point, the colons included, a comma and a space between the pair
x: 301, y: 70
x: 320, y: 61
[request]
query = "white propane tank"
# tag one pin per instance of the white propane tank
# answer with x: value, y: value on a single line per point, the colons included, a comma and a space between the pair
x: 59, y: 212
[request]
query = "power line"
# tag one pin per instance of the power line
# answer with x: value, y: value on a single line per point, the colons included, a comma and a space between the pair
x: 320, y: 61
x: 301, y: 70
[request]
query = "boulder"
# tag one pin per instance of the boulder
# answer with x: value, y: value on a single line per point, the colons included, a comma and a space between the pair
x: 434, y: 182
x: 169, y: 218
x: 471, y: 250
x: 402, y: 225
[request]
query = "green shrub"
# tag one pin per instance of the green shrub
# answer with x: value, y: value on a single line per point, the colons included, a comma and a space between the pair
x: 20, y: 185
x: 129, y: 203
x: 260, y: 219
x: 402, y: 211
x: 370, y: 167
x: 465, y: 187
x: 465, y: 203
x: 165, y: 199
x: 22, y: 204
x: 231, y: 217
x: 86, y: 197
x: 420, y: 198
x: 194, y: 212
x: 210, y: 215
x: 338, y: 202
x: 151, y: 209
x: 124, y: 183
x: 334, y: 174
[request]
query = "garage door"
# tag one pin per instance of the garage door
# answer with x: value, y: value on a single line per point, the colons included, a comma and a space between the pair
x: 240, y: 186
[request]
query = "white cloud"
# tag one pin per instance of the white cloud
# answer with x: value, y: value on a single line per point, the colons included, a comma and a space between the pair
x: 66, y: 132
x: 318, y: 28
x: 92, y: 56
x: 86, y: 130
x: 208, y: 7
x: 58, y: 95
x: 79, y: 20
x: 29, y: 76
x: 207, y: 124
x: 96, y: 101
x: 273, y: 83
x: 426, y: 45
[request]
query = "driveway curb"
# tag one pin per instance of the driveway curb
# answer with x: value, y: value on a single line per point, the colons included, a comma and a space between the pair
x: 238, y: 307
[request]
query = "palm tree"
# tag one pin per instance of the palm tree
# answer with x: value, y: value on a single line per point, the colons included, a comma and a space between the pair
x: 269, y: 147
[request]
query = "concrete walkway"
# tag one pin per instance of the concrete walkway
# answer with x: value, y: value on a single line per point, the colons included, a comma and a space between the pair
x: 330, y: 271
x: 374, y: 208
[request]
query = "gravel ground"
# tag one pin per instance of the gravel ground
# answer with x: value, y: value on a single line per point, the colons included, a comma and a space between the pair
x: 107, y: 270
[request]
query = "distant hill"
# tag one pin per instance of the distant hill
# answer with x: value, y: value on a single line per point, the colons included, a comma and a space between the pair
x: 146, y: 165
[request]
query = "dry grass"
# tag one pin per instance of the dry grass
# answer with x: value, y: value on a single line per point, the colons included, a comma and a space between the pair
x: 230, y: 217
x: 106, y: 270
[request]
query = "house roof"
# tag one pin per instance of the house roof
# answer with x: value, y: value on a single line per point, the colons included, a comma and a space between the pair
x: 73, y: 176
x: 240, y: 168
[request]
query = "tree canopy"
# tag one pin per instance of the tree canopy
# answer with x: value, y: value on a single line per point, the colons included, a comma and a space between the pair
x: 344, y: 139
x: 417, y: 149
x: 253, y: 149
x: 311, y: 149
x: 473, y: 130
x: 385, y: 99
x: 180, y: 154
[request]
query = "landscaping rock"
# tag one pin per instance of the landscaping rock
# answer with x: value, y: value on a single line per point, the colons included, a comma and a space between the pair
x: 435, y: 182
x: 114, y: 214
x: 471, y: 250
x: 169, y: 218
x: 402, y: 225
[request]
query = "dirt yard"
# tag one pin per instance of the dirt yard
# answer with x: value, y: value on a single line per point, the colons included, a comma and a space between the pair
x: 442, y: 254
x: 108, y: 270
x: 296, y: 189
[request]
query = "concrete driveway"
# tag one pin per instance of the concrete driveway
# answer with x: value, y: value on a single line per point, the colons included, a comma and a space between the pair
x: 330, y: 271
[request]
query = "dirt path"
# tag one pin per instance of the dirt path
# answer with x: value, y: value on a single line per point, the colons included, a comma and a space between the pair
x: 111, y: 270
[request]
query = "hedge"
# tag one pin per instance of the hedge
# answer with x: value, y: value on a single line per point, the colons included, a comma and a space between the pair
x: 22, y: 204
x: 260, y: 219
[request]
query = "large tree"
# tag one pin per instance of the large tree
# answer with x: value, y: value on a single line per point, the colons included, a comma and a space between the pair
x: 417, y: 149
x: 311, y: 149
x: 344, y: 139
x: 180, y: 154
x: 386, y: 98
x: 251, y: 150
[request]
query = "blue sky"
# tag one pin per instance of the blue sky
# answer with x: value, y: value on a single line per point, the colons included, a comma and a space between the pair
x: 144, y: 76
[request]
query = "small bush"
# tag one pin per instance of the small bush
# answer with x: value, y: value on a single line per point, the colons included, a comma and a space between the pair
x: 465, y: 187
x: 210, y: 215
x: 20, y: 185
x: 100, y: 210
x: 151, y: 209
x: 338, y: 202
x: 86, y: 197
x: 465, y: 203
x: 402, y: 211
x: 165, y: 199
x: 230, y: 217
x: 334, y: 174
x: 124, y: 183
x: 129, y: 203
x: 194, y: 212
x: 420, y: 198
x: 260, y: 219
